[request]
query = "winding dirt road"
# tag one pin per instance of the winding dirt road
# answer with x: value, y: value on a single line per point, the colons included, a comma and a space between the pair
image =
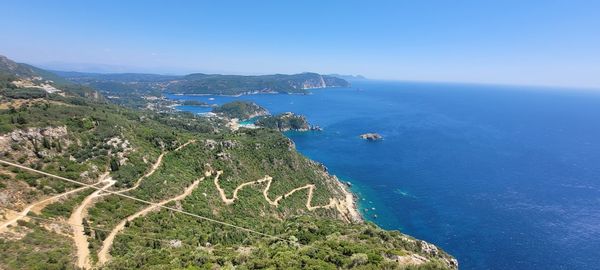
x: 153, y: 169
x: 184, y: 145
x: 311, y: 189
x: 103, y: 254
x: 139, y: 181
x: 269, y: 180
x: 81, y: 243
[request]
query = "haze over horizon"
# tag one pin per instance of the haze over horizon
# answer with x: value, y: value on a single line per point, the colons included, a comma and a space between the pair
x: 553, y: 43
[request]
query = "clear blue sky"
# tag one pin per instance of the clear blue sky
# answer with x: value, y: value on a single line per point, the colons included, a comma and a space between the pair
x: 515, y: 42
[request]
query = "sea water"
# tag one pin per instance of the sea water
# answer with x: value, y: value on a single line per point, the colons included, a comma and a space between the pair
x: 500, y: 177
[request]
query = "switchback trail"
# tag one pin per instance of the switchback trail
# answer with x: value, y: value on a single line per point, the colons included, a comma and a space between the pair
x: 103, y: 254
x: 275, y: 202
x: 175, y: 210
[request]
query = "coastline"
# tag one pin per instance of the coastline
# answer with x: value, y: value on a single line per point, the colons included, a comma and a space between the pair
x: 350, y: 202
x: 255, y: 93
x: 347, y: 203
x: 348, y: 206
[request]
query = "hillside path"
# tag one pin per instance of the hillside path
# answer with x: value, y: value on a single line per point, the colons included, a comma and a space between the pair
x: 275, y: 202
x: 103, y: 254
x: 153, y: 169
x: 36, y: 207
x: 81, y: 243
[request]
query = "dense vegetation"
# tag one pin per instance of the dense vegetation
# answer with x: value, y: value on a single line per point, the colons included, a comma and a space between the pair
x: 130, y: 86
x: 284, y: 122
x: 127, y: 89
x: 236, y: 84
x: 240, y: 109
x: 82, y: 138
x: 314, y: 244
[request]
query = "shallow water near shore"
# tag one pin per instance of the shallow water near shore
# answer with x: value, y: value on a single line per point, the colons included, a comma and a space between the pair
x: 500, y: 177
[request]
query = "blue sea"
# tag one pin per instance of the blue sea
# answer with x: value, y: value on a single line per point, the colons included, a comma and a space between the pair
x: 500, y: 177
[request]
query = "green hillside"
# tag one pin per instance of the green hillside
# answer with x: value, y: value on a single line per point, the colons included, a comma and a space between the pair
x: 240, y: 109
x: 237, y: 84
x: 19, y: 80
x: 250, y: 178
x: 132, y: 85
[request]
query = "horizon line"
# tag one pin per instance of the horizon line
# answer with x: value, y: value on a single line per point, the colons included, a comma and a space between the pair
x: 365, y: 78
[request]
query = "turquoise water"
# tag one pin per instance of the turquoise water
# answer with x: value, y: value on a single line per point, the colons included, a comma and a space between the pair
x: 500, y: 177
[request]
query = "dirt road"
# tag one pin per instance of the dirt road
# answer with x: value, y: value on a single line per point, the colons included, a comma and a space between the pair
x: 103, y: 254
x: 81, y: 243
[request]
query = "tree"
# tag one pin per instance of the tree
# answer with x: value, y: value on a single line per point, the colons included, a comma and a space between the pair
x: 46, y: 143
x: 114, y: 165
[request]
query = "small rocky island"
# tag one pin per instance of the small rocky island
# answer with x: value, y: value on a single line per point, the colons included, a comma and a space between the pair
x: 371, y: 136
x: 285, y: 122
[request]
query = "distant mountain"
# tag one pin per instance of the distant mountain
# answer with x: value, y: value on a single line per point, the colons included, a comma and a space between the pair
x: 17, y: 80
x: 8, y: 66
x: 199, y: 83
x: 134, y: 88
x: 237, y: 84
x: 20, y: 70
x: 115, y: 77
x: 349, y: 77
x: 94, y: 67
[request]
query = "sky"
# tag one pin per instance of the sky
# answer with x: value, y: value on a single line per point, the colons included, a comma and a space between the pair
x: 497, y: 41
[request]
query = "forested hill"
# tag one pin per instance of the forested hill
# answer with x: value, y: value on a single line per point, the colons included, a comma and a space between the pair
x: 23, y: 80
x: 236, y: 84
x: 288, y: 211
x: 198, y: 83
